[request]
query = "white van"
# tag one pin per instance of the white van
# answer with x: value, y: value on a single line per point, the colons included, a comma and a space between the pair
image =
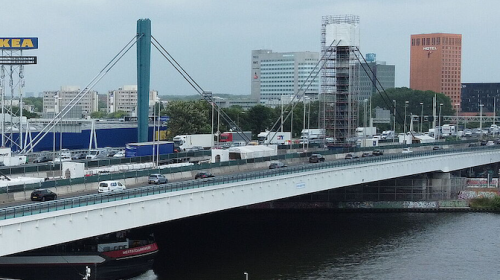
x: 110, y: 186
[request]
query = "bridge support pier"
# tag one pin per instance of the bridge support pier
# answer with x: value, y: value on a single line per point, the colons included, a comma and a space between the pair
x: 441, y: 181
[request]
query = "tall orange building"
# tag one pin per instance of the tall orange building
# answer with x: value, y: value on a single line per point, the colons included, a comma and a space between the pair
x: 436, y: 64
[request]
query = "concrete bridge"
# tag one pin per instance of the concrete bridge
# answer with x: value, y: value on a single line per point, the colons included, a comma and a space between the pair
x: 43, y: 224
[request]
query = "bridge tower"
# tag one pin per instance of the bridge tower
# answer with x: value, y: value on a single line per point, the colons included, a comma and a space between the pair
x: 339, y: 76
x: 143, y: 77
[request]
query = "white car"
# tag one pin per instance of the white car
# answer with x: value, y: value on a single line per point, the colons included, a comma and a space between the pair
x: 407, y: 151
x: 110, y: 186
x: 119, y: 154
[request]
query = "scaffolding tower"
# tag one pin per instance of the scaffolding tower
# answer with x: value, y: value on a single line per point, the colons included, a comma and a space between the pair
x: 339, y: 76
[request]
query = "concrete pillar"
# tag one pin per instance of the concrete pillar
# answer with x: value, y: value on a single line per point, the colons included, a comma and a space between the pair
x: 441, y: 181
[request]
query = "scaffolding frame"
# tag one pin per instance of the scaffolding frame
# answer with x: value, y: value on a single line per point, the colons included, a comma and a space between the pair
x: 339, y: 83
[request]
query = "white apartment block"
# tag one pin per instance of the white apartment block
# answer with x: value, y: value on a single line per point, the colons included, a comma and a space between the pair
x: 283, y: 74
x: 55, y: 101
x: 125, y: 99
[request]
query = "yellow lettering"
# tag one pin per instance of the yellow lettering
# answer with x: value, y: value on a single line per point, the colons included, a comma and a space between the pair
x: 4, y: 43
x: 16, y: 43
x: 27, y: 43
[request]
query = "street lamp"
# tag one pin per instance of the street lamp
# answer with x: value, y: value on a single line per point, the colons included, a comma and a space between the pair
x: 481, y: 119
x: 421, y: 116
x: 246, y: 275
x: 394, y: 121
x: 456, y: 129
x: 404, y: 128
x: 439, y: 120
x: 364, y: 123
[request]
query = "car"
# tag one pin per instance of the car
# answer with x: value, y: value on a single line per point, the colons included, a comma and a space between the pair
x: 366, y: 155
x: 203, y: 175
x: 157, y: 179
x: 407, y: 151
x: 41, y: 159
x: 119, y: 154
x: 437, y: 148
x: 378, y: 152
x: 483, y: 142
x: 315, y: 158
x: 43, y: 195
x: 351, y: 156
x: 277, y: 164
x: 110, y: 186
x: 79, y: 156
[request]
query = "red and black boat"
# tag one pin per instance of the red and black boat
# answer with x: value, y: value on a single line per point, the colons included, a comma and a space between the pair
x: 108, y: 257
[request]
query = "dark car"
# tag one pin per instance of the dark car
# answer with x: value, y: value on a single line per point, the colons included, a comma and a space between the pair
x: 41, y: 159
x: 43, y: 195
x: 277, y: 164
x: 157, y: 179
x: 202, y: 175
x: 436, y: 148
x: 79, y: 156
x: 314, y: 158
x: 366, y: 155
x: 349, y: 156
x: 378, y: 152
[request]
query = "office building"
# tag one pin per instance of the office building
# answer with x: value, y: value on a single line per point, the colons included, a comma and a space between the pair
x: 378, y: 77
x: 475, y: 94
x: 125, y: 99
x: 55, y: 101
x: 283, y: 74
x: 436, y: 64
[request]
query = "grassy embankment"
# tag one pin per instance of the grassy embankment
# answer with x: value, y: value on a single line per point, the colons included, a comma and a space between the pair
x: 483, y: 202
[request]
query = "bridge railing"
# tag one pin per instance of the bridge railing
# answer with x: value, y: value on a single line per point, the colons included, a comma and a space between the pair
x: 144, y: 173
x: 50, y: 206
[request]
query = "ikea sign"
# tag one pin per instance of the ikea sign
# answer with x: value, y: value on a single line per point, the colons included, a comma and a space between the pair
x: 18, y: 43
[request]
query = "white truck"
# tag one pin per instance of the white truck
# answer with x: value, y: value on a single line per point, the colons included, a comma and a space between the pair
x: 309, y: 136
x: 448, y: 130
x: 387, y: 135
x: 183, y: 142
x: 368, y: 132
x: 274, y: 138
x: 8, y: 159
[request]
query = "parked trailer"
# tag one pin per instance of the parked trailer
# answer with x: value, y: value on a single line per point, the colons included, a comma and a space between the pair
x: 275, y: 138
x: 149, y: 148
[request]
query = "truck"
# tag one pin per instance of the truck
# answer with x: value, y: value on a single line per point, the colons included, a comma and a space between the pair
x: 448, y: 130
x: 387, y: 135
x: 235, y: 137
x: 366, y: 131
x: 274, y: 138
x: 149, y: 148
x: 310, y: 136
x: 7, y: 159
x: 183, y: 142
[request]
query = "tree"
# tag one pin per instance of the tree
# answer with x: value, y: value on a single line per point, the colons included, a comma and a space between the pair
x: 414, y: 98
x: 188, y: 117
x: 260, y: 118
x: 116, y: 115
x: 98, y: 115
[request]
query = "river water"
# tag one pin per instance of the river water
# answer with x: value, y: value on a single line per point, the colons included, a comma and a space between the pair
x: 326, y: 245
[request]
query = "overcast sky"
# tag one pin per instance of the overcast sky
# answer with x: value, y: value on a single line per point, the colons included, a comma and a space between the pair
x: 212, y: 40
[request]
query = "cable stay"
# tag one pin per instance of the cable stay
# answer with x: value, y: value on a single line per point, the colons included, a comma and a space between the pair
x: 58, y: 118
x: 301, y: 91
x: 383, y: 94
x: 205, y: 95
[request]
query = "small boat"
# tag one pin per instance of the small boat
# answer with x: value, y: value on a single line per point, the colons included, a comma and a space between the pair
x: 107, y: 257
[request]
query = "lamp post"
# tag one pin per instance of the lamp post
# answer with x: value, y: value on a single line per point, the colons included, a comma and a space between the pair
x: 158, y: 134
x: 421, y: 116
x: 394, y: 121
x: 456, y: 129
x: 439, y: 120
x: 404, y: 128
x: 481, y: 119
x: 364, y: 122
x: 246, y: 275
